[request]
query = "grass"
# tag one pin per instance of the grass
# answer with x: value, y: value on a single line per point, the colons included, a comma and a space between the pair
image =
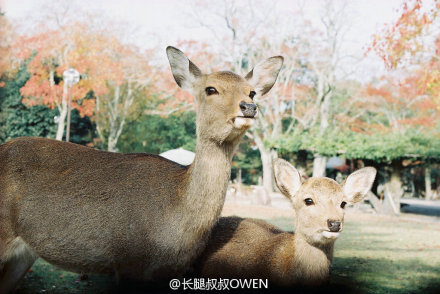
x: 45, y: 278
x: 373, y: 255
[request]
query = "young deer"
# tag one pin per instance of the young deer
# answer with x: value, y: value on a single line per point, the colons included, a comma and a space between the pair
x: 138, y: 216
x: 251, y: 248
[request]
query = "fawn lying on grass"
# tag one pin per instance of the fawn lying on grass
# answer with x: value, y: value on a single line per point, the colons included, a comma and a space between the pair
x: 251, y: 248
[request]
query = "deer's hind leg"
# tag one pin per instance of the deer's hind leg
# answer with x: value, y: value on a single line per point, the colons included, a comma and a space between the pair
x: 15, y: 260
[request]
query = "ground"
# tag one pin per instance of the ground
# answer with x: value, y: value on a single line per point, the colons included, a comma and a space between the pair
x: 374, y: 254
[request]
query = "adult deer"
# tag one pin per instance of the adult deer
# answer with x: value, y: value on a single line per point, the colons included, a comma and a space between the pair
x: 251, y: 248
x: 138, y: 216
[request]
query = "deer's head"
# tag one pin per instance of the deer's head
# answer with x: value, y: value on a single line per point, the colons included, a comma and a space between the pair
x: 225, y: 100
x: 319, y: 203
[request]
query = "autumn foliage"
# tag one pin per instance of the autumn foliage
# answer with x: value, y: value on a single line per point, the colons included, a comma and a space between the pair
x: 6, y: 37
x: 53, y: 51
x: 412, y: 44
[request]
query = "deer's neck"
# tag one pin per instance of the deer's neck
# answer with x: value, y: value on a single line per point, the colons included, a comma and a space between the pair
x: 205, y: 191
x: 208, y: 176
x: 311, y: 263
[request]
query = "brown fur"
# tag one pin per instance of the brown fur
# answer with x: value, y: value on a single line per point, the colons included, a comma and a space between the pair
x: 138, y: 216
x: 250, y: 248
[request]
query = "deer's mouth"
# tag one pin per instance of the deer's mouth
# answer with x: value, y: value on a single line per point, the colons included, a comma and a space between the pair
x: 240, y: 122
x: 330, y: 235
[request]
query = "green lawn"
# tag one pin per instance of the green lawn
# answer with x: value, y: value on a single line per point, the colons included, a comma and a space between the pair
x: 373, y: 255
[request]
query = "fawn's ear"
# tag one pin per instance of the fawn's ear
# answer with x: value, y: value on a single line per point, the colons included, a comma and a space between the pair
x: 287, y: 178
x: 184, y: 71
x: 263, y: 76
x: 358, y: 184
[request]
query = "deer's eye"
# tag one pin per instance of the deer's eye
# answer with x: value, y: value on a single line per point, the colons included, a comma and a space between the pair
x: 343, y: 204
x: 309, y: 201
x: 211, y: 91
x: 252, y: 94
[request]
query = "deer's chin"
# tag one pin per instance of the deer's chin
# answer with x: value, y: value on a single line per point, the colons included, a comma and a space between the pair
x: 241, y: 122
x: 330, y: 235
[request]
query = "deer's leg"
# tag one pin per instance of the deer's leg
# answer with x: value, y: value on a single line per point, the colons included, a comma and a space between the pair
x: 14, y: 264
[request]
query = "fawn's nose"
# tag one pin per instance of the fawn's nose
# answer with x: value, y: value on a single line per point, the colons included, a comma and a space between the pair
x: 334, y: 226
x: 248, y: 109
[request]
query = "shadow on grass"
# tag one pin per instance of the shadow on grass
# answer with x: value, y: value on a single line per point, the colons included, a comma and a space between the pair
x: 370, y: 275
x: 348, y: 275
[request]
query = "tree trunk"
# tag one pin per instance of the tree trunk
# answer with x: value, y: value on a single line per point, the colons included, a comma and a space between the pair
x: 266, y: 155
x: 63, y: 113
x: 319, y: 166
x: 239, y: 179
x: 428, y: 191
x: 113, y: 117
x: 99, y: 119
x: 267, y: 170
x: 393, y: 188
x: 325, y: 111
x: 301, y: 162
x: 117, y: 115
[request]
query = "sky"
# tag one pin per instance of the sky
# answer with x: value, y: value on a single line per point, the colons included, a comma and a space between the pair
x: 165, y: 22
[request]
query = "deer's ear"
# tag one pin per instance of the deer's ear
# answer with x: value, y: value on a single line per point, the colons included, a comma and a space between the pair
x: 263, y: 76
x: 184, y: 71
x: 287, y: 178
x: 358, y: 184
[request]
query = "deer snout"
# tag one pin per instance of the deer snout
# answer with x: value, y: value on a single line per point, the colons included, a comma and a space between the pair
x: 334, y: 226
x: 248, y: 109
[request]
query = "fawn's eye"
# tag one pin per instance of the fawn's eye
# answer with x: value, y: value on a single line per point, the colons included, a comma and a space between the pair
x: 343, y: 204
x: 252, y: 94
x: 211, y: 91
x: 309, y: 201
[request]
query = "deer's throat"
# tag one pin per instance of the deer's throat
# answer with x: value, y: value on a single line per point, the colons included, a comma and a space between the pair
x: 311, y: 262
x: 205, y: 191
x: 210, y: 172
x: 206, y: 183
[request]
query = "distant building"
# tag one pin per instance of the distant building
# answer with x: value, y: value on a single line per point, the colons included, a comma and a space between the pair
x: 179, y: 155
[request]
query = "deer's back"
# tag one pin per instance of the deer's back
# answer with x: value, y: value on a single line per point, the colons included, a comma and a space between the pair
x: 64, y: 199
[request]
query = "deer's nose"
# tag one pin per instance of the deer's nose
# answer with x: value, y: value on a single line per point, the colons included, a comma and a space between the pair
x: 248, y: 109
x: 334, y: 226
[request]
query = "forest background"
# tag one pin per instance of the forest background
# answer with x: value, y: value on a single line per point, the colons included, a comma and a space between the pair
x: 331, y: 111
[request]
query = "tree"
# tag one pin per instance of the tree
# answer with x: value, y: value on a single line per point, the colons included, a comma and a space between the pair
x: 18, y: 120
x: 133, y: 82
x: 114, y: 73
x: 52, y: 52
x: 383, y: 122
x: 156, y: 134
x: 412, y: 45
x: 6, y: 36
x: 242, y: 34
